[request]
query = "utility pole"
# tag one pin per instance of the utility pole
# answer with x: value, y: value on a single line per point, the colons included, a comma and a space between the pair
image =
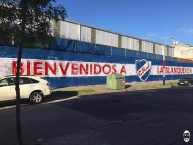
x: 164, y: 60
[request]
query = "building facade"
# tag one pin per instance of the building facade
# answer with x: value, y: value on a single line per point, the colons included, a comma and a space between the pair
x: 184, y: 51
x: 76, y: 31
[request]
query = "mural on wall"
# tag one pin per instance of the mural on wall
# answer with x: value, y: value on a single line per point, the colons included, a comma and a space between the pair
x: 143, y: 69
x: 59, y: 68
x: 62, y: 68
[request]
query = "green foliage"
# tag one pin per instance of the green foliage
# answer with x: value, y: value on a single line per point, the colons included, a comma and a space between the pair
x: 27, y: 23
x: 36, y: 16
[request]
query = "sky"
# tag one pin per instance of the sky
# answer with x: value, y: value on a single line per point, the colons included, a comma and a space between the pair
x: 154, y: 20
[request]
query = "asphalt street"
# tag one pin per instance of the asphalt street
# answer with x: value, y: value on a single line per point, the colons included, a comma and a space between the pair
x: 150, y: 117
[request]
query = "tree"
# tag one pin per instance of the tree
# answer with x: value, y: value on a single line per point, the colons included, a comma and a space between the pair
x: 32, y: 20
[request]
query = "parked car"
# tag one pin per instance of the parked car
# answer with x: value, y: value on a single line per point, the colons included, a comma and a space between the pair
x: 31, y: 87
x: 185, y: 81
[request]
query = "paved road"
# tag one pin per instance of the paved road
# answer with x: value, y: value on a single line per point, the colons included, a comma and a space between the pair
x: 152, y: 117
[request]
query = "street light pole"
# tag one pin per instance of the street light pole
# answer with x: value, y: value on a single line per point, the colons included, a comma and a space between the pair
x: 163, y: 64
x: 164, y: 60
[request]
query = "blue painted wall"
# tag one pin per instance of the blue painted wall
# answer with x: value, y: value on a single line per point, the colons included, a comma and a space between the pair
x: 67, y: 50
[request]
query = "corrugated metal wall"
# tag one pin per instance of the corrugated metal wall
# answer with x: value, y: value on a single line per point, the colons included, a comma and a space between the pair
x: 85, y: 34
x: 130, y: 43
x: 147, y: 47
x: 106, y: 38
x: 69, y: 30
x: 158, y: 49
x: 76, y: 31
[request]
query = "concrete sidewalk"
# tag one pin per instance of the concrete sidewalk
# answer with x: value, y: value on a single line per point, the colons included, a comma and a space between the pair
x: 134, y: 86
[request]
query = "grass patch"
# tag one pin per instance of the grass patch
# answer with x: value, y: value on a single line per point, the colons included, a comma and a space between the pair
x: 167, y: 84
x: 85, y: 91
x: 170, y: 84
x: 159, y: 85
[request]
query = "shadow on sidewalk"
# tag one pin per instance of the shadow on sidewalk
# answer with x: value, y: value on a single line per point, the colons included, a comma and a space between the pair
x: 12, y: 103
x: 60, y: 95
x: 127, y: 86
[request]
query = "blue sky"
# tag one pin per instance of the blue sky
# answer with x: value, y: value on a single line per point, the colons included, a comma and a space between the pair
x: 153, y: 20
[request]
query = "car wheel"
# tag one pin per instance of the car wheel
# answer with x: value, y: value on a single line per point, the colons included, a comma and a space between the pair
x: 36, y: 97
